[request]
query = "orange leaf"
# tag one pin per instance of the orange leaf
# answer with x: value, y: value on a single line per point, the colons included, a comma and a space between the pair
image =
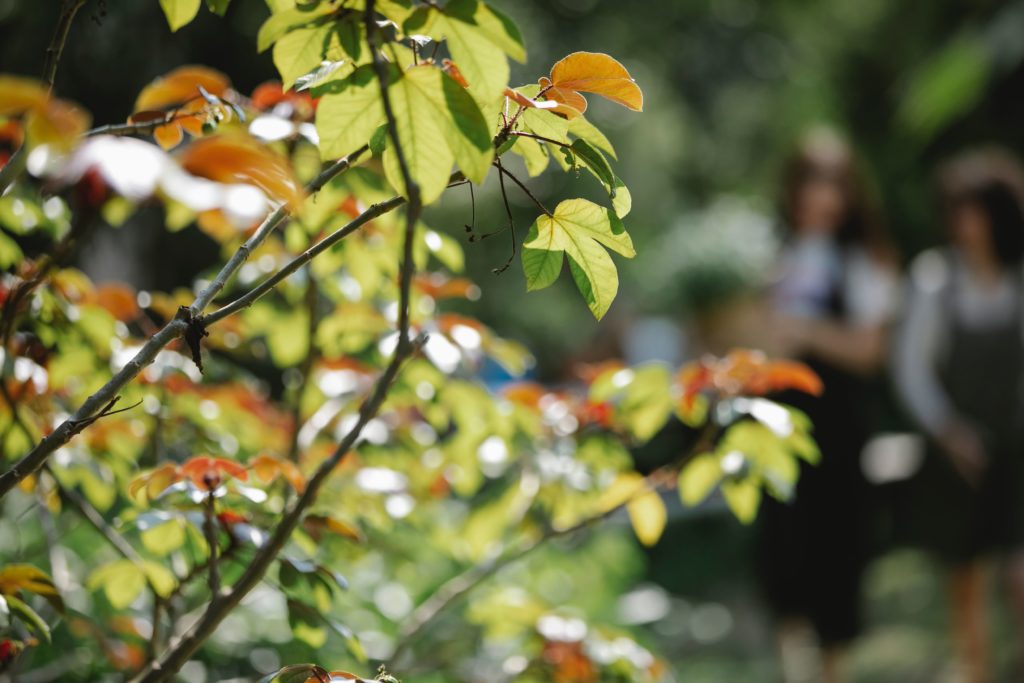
x: 181, y: 85
x: 18, y: 95
x: 208, y: 473
x: 317, y: 524
x: 168, y: 135
x: 450, y: 68
x: 237, y: 158
x: 118, y: 299
x: 268, y: 468
x: 155, y: 481
x: 597, y: 73
x: 564, y: 97
x: 784, y: 374
x: 438, y: 286
x: 528, y: 394
x: 57, y: 123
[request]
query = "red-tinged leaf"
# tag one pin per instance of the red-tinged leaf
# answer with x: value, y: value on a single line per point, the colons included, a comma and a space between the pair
x: 266, y: 95
x: 450, y: 68
x: 298, y: 673
x: 524, y: 101
x: 182, y: 85
x: 208, y: 473
x: 597, y: 73
x: 240, y: 159
x: 782, y: 375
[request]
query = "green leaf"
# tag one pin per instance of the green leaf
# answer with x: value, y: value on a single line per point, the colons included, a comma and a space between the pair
x: 160, y: 577
x: 163, y: 539
x: 280, y: 23
x: 179, y: 12
x: 10, y: 252
x: 743, y: 498
x: 120, y: 580
x: 622, y: 200
x: 478, y: 39
x: 349, y: 114
x: 582, y: 230
x: 585, y: 130
x: 438, y: 124
x: 300, y: 51
x: 218, y: 7
x: 489, y: 22
x: 306, y: 624
x: 29, y: 616
x: 648, y: 516
x: 379, y: 140
x: 595, y: 161
x: 699, y: 478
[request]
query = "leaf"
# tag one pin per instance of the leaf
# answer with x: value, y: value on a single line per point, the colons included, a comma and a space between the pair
x: 160, y: 577
x: 25, y: 577
x: 585, y: 130
x: 297, y: 673
x: 179, y: 12
x: 306, y: 624
x: 595, y: 161
x: 300, y: 51
x: 18, y: 94
x: 181, y: 85
x: 29, y: 616
x: 743, y: 498
x: 155, y: 481
x: 438, y: 124
x: 280, y: 23
x: 208, y: 473
x: 582, y: 230
x: 699, y: 478
x: 120, y: 580
x: 597, y: 73
x: 622, y: 202
x: 235, y: 158
x: 268, y: 468
x: 648, y: 516
x: 349, y: 114
x: 218, y: 7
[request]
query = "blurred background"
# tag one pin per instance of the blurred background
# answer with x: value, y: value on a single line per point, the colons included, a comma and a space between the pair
x: 730, y: 87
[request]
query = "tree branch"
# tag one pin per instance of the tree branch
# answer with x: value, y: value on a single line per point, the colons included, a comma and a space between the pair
x: 168, y: 333
x: 68, y: 10
x: 222, y: 605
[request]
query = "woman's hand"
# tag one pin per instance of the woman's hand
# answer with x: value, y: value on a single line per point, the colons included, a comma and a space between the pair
x: 966, y: 451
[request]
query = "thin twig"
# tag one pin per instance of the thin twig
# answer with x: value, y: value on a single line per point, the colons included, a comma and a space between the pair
x: 541, y: 138
x: 511, y: 223
x: 522, y: 187
x: 168, y: 333
x: 210, y: 530
x: 68, y: 10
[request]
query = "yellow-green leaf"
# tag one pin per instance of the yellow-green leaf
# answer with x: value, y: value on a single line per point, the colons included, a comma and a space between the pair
x: 743, y: 498
x: 349, y: 113
x: 179, y: 12
x: 300, y: 51
x: 699, y: 478
x: 648, y: 516
x: 582, y: 230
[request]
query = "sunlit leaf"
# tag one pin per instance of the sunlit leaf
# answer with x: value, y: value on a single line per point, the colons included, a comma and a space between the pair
x: 179, y: 12
x: 593, y: 72
x: 241, y: 159
x: 699, y: 478
x: 349, y: 114
x: 582, y: 230
x: 181, y: 85
x: 648, y: 516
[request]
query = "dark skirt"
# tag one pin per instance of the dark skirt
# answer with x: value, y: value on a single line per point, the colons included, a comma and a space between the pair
x: 811, y: 551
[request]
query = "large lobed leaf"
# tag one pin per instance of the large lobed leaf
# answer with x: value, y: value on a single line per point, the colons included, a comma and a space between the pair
x: 582, y: 230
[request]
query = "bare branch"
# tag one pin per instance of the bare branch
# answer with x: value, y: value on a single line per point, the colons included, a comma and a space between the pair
x: 68, y: 10
x: 522, y: 187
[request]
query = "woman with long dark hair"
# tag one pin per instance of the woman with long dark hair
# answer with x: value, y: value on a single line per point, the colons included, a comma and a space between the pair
x: 833, y: 300
x: 959, y: 367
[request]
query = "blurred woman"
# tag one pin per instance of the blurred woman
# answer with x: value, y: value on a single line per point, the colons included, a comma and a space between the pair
x: 833, y: 299
x: 959, y: 366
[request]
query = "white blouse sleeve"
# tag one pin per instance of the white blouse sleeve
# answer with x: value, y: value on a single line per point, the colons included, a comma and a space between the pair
x: 919, y: 342
x: 872, y: 291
